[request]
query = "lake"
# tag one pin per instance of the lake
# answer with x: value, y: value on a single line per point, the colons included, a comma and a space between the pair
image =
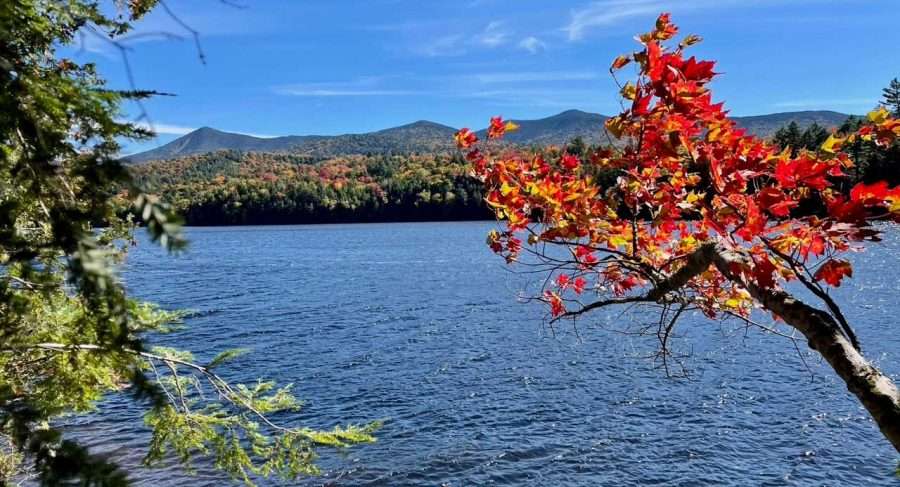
x: 418, y: 324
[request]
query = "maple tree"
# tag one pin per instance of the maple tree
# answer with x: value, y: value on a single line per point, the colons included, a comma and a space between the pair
x: 702, y: 216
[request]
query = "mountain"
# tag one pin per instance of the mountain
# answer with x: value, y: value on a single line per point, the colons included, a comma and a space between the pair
x: 558, y: 129
x: 421, y: 136
x: 208, y: 139
x: 767, y: 125
x: 424, y: 136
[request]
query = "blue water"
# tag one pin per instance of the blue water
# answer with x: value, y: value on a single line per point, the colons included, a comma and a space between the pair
x: 418, y: 324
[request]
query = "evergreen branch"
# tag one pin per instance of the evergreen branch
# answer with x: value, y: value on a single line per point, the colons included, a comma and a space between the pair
x: 225, y: 389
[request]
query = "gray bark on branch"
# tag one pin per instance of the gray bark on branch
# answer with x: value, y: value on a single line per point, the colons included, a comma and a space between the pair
x: 876, y: 391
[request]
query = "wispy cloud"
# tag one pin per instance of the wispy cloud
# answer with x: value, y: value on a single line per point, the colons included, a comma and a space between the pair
x: 448, y: 45
x: 364, y: 86
x: 532, y: 44
x: 602, y: 13
x: 544, y: 98
x: 165, y: 128
x: 599, y: 14
x: 171, y: 129
x: 533, y: 76
x: 458, y: 43
x: 403, y: 27
x: 254, y: 134
x: 494, y: 35
x: 443, y: 86
x: 300, y: 91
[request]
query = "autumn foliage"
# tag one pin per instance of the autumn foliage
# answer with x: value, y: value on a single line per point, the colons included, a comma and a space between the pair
x: 687, y: 175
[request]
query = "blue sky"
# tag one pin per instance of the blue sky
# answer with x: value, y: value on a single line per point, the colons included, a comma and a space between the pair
x: 338, y: 66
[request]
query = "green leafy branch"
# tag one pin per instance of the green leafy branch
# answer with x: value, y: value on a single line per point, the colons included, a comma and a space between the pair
x: 230, y: 429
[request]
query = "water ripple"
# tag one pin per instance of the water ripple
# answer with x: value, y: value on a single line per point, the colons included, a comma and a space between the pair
x: 476, y: 392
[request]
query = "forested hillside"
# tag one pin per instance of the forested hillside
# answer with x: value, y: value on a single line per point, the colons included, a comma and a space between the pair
x: 235, y: 188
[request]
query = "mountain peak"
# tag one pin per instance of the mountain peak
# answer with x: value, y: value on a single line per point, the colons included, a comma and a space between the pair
x: 419, y: 124
x: 572, y: 111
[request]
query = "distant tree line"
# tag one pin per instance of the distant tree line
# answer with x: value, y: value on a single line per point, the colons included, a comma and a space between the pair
x: 235, y: 188
x: 871, y: 163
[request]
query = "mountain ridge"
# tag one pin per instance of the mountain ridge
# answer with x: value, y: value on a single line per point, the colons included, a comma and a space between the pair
x: 428, y: 136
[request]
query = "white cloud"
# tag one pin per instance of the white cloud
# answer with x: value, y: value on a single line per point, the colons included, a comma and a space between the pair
x: 301, y: 91
x: 363, y: 86
x: 494, y: 35
x: 443, y: 86
x: 539, y: 97
x: 165, y: 128
x: 532, y: 44
x: 533, y: 76
x: 170, y: 129
x: 449, y: 45
x: 406, y: 27
x: 603, y: 13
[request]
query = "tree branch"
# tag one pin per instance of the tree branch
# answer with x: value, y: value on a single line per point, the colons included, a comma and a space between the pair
x: 875, y: 391
x: 816, y: 289
x: 221, y: 385
x: 696, y: 263
x: 599, y: 304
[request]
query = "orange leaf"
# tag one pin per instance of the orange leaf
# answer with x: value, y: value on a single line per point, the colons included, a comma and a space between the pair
x: 465, y: 138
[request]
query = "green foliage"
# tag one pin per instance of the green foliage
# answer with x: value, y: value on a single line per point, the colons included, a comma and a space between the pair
x: 69, y: 333
x: 872, y: 163
x: 891, y: 96
x: 225, y: 356
x: 792, y: 137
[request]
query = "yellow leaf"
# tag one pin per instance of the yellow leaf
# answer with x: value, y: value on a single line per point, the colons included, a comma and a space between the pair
x: 785, y: 154
x: 511, y: 126
x: 618, y: 241
x: 878, y: 116
x: 505, y: 189
x: 690, y: 40
x: 620, y: 62
x: 629, y: 91
x: 615, y: 126
x: 894, y: 203
x: 828, y: 145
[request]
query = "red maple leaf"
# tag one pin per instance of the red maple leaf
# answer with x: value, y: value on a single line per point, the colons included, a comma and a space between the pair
x: 833, y: 270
